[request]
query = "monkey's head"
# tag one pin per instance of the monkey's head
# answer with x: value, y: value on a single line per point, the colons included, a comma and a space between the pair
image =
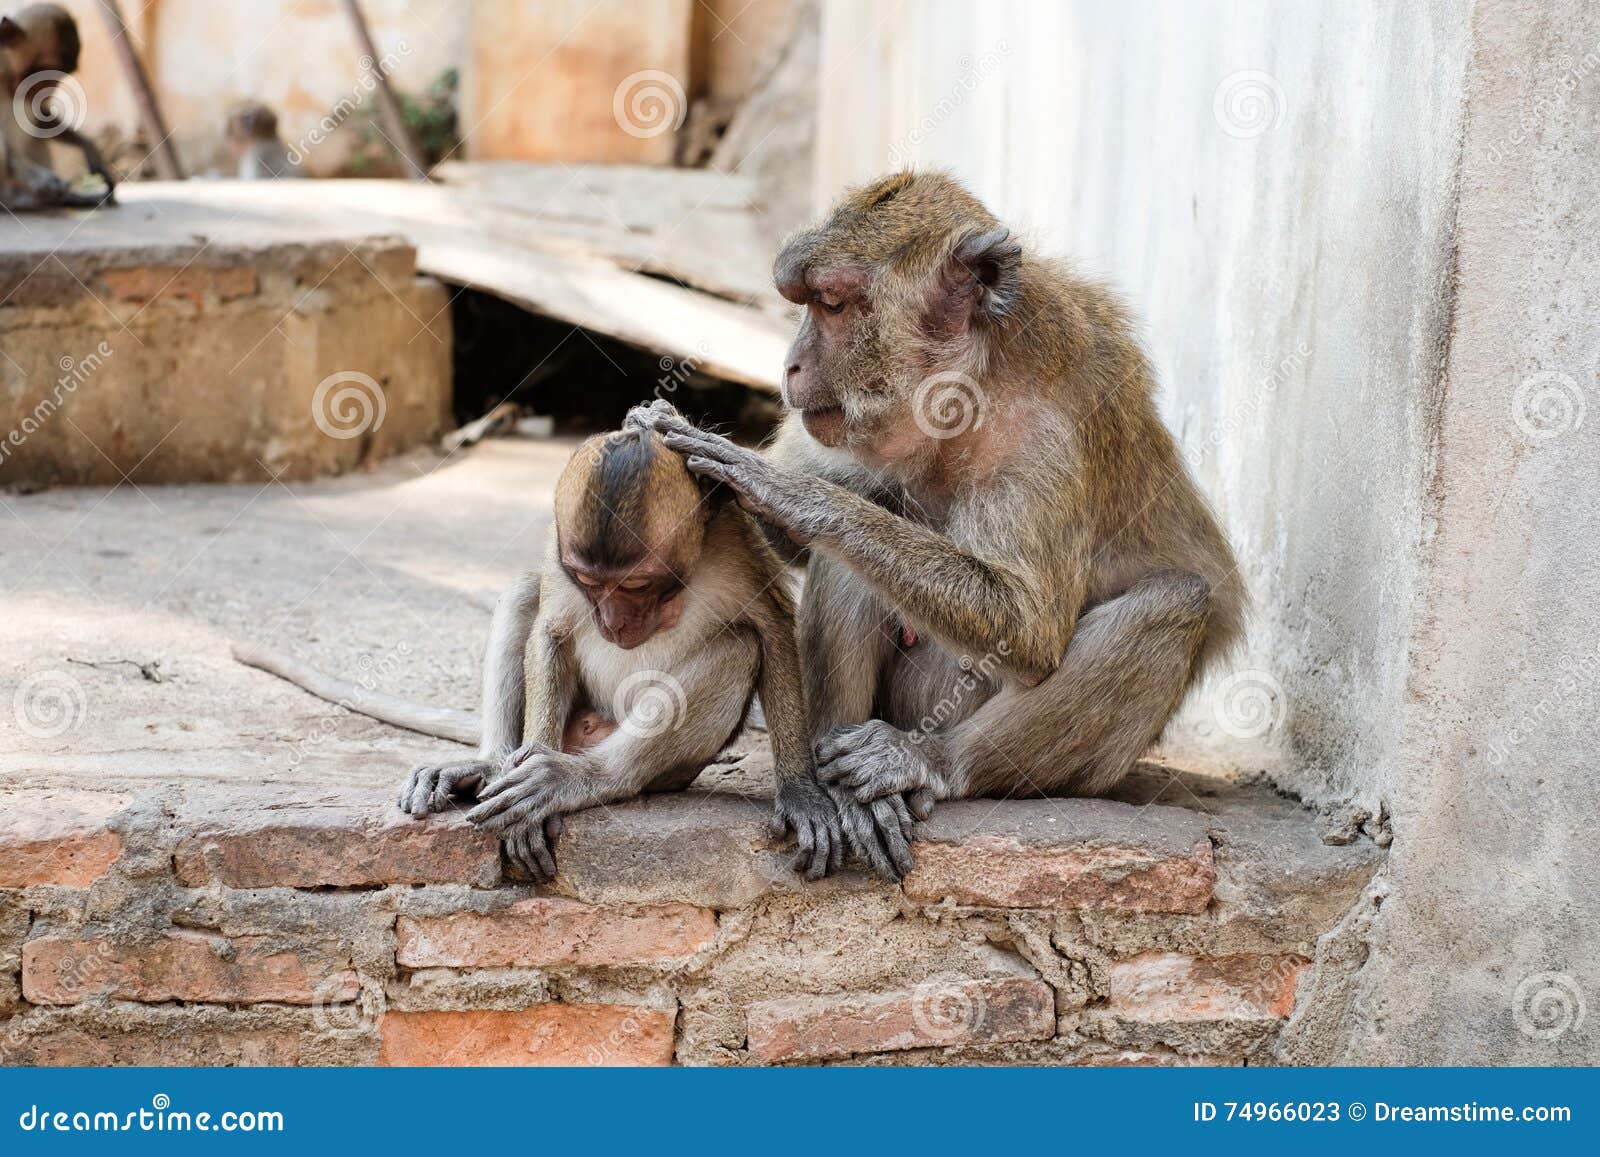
x: 908, y: 277
x: 630, y: 526
x: 40, y: 38
x: 250, y: 121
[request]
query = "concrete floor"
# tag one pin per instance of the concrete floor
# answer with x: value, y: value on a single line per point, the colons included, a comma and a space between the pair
x: 342, y: 573
x: 339, y: 572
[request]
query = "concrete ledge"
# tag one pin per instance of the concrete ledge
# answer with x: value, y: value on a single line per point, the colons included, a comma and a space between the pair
x: 247, y: 925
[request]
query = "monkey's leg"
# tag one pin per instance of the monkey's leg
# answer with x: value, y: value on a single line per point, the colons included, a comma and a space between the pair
x: 847, y: 636
x: 1079, y: 731
x: 432, y: 786
x: 538, y: 781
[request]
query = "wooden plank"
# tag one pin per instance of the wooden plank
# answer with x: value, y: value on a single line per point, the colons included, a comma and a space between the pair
x: 698, y: 226
x: 459, y: 240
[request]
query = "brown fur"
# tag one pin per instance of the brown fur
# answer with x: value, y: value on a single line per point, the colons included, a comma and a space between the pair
x: 1059, y: 536
x: 646, y: 577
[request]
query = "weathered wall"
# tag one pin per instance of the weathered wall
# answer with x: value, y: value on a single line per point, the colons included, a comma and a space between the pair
x: 196, y: 926
x: 1357, y: 235
x: 537, y: 79
x: 217, y: 361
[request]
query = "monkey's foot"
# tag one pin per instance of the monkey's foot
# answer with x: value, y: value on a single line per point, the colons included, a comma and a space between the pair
x: 876, y: 761
x: 433, y: 786
x: 879, y: 833
x: 528, y: 846
x: 804, y: 808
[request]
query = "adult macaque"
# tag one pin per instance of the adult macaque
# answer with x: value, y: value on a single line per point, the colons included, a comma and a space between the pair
x: 632, y: 661
x: 253, y: 139
x: 37, y: 46
x: 1012, y: 581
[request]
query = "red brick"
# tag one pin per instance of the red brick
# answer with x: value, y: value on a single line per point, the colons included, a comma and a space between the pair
x: 547, y: 1034
x: 333, y: 854
x: 145, y: 283
x: 932, y: 1015
x: 61, y: 1046
x: 57, y: 838
x: 1167, y: 986
x: 991, y: 871
x: 549, y: 931
x: 181, y: 965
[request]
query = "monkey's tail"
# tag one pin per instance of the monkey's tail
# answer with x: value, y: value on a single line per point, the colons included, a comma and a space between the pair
x: 439, y: 722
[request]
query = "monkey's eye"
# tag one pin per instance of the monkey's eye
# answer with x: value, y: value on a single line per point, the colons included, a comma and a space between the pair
x: 634, y: 585
x: 587, y: 581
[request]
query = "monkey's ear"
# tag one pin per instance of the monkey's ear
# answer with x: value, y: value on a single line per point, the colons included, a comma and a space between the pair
x: 11, y: 32
x: 980, y: 279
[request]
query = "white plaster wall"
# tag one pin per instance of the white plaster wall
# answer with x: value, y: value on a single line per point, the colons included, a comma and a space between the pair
x: 1374, y: 325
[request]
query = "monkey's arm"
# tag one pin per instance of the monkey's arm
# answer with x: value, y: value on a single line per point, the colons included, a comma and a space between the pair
x: 996, y: 603
x: 800, y: 803
x: 92, y: 159
x: 432, y: 787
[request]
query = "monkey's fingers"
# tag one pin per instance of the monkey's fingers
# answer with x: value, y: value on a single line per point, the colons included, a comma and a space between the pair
x: 822, y: 852
x: 709, y: 445
x: 897, y: 804
x: 534, y: 808
x: 515, y: 778
x: 840, y: 741
x: 920, y: 802
x: 508, y: 805
x: 526, y: 848
x: 896, y: 839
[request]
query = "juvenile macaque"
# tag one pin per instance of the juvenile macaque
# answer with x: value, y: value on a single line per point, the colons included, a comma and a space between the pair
x: 632, y: 660
x: 253, y: 140
x: 37, y: 46
x: 1012, y: 581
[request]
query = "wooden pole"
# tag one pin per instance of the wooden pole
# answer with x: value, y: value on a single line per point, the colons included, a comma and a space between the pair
x: 405, y: 146
x: 155, y: 125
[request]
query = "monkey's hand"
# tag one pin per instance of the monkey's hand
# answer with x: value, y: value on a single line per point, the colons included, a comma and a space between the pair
x: 804, y: 808
x: 643, y: 417
x: 433, y: 786
x: 535, y: 784
x: 528, y: 846
x: 796, y: 503
x: 879, y: 832
x: 524, y: 803
x: 876, y: 761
